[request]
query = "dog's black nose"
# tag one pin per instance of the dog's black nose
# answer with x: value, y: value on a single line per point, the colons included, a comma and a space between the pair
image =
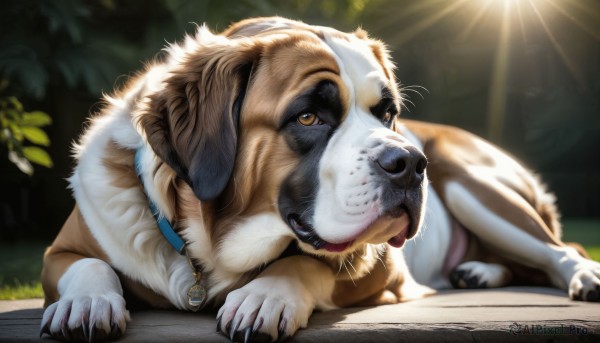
x: 404, y: 165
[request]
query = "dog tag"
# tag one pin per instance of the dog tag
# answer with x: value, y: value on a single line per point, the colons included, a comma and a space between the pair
x: 196, y: 295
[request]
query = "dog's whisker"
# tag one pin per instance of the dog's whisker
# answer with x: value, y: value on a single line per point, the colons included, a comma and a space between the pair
x: 349, y: 274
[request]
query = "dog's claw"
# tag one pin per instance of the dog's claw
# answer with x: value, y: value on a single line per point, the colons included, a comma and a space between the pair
x: 234, y: 327
x: 593, y: 295
x: 473, y: 282
x: 84, y: 329
x: 92, y: 332
x: 45, y: 329
x: 247, y: 334
x: 462, y: 279
x: 257, y: 325
x: 66, y: 335
x: 281, y: 329
x: 219, y: 324
x: 114, y: 331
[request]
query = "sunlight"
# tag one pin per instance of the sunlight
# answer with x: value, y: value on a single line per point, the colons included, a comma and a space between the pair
x: 497, y: 102
x: 515, y: 16
x: 572, y: 67
x: 469, y: 28
x: 557, y: 5
x: 428, y: 21
x: 508, y: 27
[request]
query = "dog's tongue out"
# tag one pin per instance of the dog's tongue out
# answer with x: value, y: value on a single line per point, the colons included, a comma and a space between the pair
x: 398, y: 240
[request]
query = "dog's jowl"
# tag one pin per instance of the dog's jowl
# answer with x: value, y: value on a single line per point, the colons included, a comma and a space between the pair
x: 263, y: 173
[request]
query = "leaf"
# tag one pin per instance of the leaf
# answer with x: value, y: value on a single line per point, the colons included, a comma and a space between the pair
x: 18, y: 106
x: 36, y: 118
x: 21, y: 163
x: 37, y: 155
x: 35, y: 135
x: 16, y: 131
x: 26, y: 71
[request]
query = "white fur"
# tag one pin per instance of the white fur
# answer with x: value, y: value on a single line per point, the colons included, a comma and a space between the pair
x: 410, y: 289
x: 566, y: 268
x: 91, y: 288
x: 119, y: 219
x: 286, y: 292
x: 266, y: 231
x: 435, y: 236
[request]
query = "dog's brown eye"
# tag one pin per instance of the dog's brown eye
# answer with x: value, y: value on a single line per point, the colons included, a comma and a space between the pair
x: 308, y: 119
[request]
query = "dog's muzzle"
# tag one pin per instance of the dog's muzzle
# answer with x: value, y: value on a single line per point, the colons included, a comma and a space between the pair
x: 400, y: 172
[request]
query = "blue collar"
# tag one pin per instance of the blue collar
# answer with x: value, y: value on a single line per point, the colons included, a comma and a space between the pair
x: 163, y: 224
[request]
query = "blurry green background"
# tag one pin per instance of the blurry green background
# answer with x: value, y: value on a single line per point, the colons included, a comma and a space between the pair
x: 523, y: 73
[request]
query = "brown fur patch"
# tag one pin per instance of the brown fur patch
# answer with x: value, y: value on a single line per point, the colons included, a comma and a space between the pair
x: 119, y: 165
x: 380, y: 53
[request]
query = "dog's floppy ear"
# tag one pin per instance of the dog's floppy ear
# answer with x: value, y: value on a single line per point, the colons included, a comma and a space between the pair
x: 191, y: 122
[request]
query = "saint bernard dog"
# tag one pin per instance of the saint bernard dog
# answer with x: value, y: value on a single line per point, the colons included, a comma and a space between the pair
x: 264, y: 172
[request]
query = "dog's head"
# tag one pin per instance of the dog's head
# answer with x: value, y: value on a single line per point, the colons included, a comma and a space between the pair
x: 281, y: 117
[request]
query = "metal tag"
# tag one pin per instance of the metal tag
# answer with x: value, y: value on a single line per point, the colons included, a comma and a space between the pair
x: 196, y: 295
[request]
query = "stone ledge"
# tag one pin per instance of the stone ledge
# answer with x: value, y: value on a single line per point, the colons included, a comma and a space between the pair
x: 476, y: 315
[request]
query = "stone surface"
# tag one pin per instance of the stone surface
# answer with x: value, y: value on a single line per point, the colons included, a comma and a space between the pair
x: 541, y: 314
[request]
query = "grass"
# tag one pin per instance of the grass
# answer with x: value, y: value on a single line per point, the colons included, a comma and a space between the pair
x: 585, y: 232
x: 20, y: 267
x: 21, y: 291
x: 21, y: 263
x: 594, y: 252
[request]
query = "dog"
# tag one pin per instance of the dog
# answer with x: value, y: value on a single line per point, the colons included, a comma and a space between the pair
x: 264, y: 172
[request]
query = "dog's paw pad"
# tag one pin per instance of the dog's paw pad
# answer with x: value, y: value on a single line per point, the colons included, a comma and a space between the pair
x: 474, y: 274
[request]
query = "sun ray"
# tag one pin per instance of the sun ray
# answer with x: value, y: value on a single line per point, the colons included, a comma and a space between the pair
x: 497, y: 95
x: 591, y: 10
x: 476, y: 19
x: 573, y: 69
x: 414, y: 8
x: 409, y: 33
x: 569, y: 16
x: 521, y: 22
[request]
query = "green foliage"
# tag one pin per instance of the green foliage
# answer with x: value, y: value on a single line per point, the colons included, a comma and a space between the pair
x: 18, y: 127
x: 45, y: 44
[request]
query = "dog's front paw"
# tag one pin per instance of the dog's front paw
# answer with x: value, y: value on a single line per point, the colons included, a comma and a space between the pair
x: 86, y: 318
x: 585, y: 284
x: 263, y: 312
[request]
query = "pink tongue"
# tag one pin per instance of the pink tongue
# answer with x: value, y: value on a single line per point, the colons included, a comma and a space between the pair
x: 336, y: 247
x: 398, y: 240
